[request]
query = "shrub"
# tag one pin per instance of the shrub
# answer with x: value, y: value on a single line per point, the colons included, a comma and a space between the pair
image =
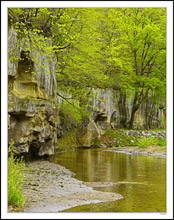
x: 119, y: 138
x: 16, y: 168
x: 97, y: 143
x: 144, y: 142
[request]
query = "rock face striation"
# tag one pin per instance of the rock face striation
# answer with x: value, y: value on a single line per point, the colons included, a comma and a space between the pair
x: 33, y: 116
x: 33, y: 119
x: 113, y: 110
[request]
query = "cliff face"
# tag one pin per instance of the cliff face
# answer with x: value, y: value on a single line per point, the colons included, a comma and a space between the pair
x: 113, y: 110
x: 33, y: 119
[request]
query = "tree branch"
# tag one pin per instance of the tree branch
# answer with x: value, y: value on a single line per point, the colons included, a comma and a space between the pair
x: 68, y: 101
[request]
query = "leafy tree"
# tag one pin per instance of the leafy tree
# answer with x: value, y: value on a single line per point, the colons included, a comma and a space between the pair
x: 121, y: 48
x: 138, y: 52
x: 74, y: 41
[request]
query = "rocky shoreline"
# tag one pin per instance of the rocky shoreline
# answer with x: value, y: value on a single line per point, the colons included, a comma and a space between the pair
x: 51, y: 188
x: 150, y: 150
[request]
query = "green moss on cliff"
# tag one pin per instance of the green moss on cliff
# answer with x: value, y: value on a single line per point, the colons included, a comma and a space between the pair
x: 68, y: 141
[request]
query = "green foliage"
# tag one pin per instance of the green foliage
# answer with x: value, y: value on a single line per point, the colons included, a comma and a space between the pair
x: 136, y: 52
x: 123, y: 48
x: 108, y: 132
x: 118, y: 138
x: 16, y: 169
x: 72, y: 114
x: 144, y: 142
x: 69, y: 30
x: 64, y: 32
x: 68, y: 141
x: 97, y: 143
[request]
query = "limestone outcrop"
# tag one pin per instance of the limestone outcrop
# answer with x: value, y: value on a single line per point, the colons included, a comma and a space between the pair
x: 33, y: 125
x: 113, y: 110
x: 33, y: 119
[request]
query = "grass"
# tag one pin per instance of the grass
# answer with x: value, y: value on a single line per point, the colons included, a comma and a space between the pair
x: 116, y: 138
x: 16, y: 168
x: 97, y: 143
x: 145, y: 142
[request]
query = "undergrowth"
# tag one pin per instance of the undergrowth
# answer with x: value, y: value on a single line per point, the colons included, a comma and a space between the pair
x: 16, y: 168
x: 148, y: 141
x: 117, y: 138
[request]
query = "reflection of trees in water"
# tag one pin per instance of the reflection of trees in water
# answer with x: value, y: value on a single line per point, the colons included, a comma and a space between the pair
x: 143, y: 178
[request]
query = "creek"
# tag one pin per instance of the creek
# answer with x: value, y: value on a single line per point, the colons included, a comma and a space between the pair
x: 140, y: 179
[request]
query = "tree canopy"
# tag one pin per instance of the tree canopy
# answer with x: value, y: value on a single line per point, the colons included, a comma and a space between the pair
x: 123, y: 48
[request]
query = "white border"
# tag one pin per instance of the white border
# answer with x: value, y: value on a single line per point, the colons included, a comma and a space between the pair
x: 169, y: 6
x: 88, y: 4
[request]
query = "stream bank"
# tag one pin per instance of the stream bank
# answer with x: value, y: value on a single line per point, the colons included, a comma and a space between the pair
x: 50, y: 187
x: 150, y: 150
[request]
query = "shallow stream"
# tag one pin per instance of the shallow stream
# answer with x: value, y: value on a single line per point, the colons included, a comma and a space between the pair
x: 140, y: 179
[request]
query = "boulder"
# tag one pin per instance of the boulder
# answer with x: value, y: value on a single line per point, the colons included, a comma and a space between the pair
x: 87, y: 135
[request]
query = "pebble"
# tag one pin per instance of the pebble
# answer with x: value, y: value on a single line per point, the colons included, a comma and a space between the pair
x: 52, y: 188
x: 132, y: 141
x: 164, y: 132
x: 145, y: 133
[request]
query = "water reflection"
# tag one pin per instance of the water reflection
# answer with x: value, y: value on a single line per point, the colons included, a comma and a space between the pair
x: 141, y: 179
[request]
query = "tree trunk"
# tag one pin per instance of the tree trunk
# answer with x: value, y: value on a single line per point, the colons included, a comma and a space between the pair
x: 132, y: 117
x: 134, y: 109
x: 122, y: 110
